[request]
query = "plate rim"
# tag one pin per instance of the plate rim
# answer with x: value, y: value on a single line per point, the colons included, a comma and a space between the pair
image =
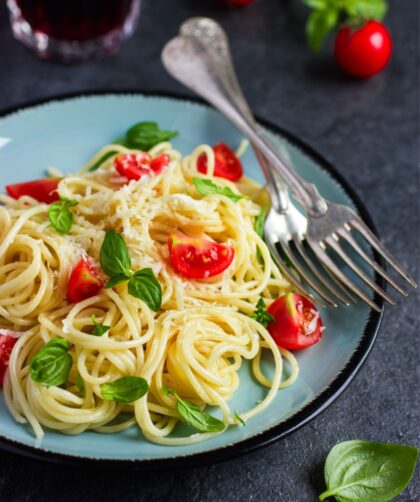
x: 279, y: 431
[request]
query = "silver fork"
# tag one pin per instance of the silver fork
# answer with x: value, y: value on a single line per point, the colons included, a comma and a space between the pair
x: 284, y: 218
x: 187, y: 59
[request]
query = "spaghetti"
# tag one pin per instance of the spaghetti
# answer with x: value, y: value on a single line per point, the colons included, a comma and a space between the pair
x: 195, y: 344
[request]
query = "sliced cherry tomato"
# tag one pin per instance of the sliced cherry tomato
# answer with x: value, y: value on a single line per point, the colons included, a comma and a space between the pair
x: 198, y: 258
x: 84, y: 281
x: 236, y: 3
x: 365, y: 51
x: 227, y: 165
x: 297, y: 324
x: 7, y: 342
x: 44, y: 190
x: 136, y: 165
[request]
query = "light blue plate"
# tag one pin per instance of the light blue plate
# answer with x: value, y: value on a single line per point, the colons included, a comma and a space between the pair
x: 65, y: 133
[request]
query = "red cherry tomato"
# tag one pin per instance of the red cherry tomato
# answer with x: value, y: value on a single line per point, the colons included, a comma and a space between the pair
x: 364, y: 51
x: 236, y: 3
x: 44, y: 190
x: 297, y: 322
x: 84, y: 281
x: 7, y: 342
x: 227, y: 165
x: 198, y: 258
x: 136, y: 165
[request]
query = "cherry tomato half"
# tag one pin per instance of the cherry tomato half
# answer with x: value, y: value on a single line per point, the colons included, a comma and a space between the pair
x: 7, y: 342
x: 198, y: 258
x: 84, y: 281
x: 227, y: 165
x: 136, y: 165
x: 236, y: 3
x: 297, y: 322
x: 44, y: 190
x: 365, y: 51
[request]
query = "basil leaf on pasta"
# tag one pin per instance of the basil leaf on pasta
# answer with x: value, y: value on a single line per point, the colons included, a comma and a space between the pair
x: 261, y: 315
x: 99, y: 329
x: 145, y: 135
x: 144, y: 285
x: 125, y: 390
x: 114, y: 256
x: 116, y: 279
x: 80, y: 384
x: 366, y: 471
x: 60, y: 216
x: 51, y: 365
x: 198, y: 418
x: 205, y: 187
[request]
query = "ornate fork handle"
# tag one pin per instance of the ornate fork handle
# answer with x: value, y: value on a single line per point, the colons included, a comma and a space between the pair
x: 189, y: 62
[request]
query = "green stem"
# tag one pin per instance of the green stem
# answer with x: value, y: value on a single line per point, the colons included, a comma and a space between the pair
x: 326, y: 494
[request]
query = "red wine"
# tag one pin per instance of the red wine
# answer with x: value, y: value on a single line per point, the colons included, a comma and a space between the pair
x: 78, y: 20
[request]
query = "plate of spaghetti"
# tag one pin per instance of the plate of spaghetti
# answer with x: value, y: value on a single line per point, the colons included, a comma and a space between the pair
x: 143, y: 320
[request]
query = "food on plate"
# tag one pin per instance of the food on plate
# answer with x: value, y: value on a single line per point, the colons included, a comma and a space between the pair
x: 132, y: 292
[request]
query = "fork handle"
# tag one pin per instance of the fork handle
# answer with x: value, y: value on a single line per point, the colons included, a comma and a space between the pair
x: 212, y: 36
x: 186, y: 59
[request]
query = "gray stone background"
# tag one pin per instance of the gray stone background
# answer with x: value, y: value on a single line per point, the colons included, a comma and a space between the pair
x: 369, y: 130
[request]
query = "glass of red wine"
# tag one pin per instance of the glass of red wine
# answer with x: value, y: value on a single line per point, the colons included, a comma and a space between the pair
x: 73, y: 30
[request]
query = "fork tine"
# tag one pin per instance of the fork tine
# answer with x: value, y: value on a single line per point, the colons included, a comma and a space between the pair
x: 345, y: 234
x: 329, y: 285
x: 283, y: 267
x: 382, y: 250
x: 334, y: 244
x: 302, y: 272
x: 328, y: 263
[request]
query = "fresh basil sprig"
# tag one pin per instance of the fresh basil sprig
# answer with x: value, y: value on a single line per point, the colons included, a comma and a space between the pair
x: 364, y: 471
x: 60, y: 216
x: 145, y: 135
x: 144, y: 285
x: 259, y: 228
x: 99, y: 329
x: 326, y: 14
x: 52, y: 364
x: 125, y: 390
x: 116, y: 263
x: 192, y: 414
x: 80, y: 384
x: 261, y: 315
x: 141, y: 136
x: 205, y: 187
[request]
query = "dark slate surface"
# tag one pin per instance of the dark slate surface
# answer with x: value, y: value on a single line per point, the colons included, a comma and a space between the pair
x: 369, y: 130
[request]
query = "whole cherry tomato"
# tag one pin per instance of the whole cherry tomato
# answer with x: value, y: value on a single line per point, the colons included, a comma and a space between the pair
x: 297, y: 322
x: 236, y: 3
x: 364, y: 51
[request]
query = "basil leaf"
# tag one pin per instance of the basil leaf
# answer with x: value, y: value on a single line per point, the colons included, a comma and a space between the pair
x: 125, y: 390
x: 144, y: 285
x: 99, y: 329
x: 205, y: 187
x: 259, y: 229
x: 261, y: 315
x: 365, y: 9
x: 52, y: 364
x: 366, y: 471
x: 197, y: 418
x: 60, y: 216
x: 145, y: 135
x: 69, y: 202
x: 116, y: 279
x: 113, y: 256
x: 238, y: 419
x: 80, y: 384
x: 318, y: 26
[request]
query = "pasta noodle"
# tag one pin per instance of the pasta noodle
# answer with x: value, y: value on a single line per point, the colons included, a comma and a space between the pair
x: 194, y: 344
